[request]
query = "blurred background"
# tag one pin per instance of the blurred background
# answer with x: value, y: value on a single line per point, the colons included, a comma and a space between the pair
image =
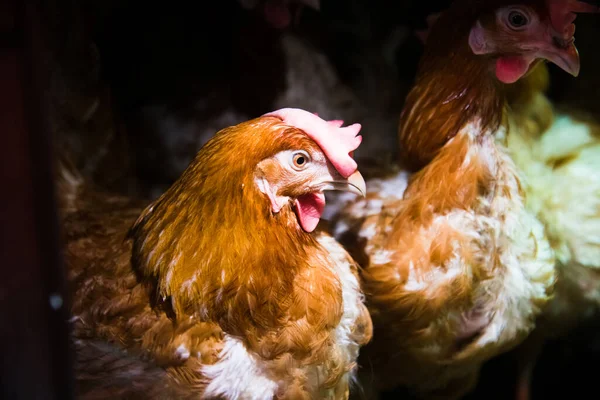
x: 134, y: 89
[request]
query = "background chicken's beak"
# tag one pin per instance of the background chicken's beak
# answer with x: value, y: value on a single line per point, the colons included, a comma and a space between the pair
x: 355, y: 183
x: 564, y: 55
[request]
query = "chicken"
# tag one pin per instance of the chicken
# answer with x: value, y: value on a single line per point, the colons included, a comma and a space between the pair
x: 224, y: 286
x: 456, y: 269
x: 555, y: 153
x: 560, y: 166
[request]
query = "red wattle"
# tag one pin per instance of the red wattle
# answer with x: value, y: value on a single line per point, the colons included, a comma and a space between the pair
x: 511, y: 69
x: 309, y: 209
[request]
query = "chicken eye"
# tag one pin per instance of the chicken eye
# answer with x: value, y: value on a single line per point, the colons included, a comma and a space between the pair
x: 300, y: 159
x: 517, y: 19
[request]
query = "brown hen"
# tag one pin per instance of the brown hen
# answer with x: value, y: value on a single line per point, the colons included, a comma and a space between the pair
x: 456, y: 267
x: 223, y: 287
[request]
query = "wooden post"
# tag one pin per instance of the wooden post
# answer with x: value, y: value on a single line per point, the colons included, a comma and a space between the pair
x: 36, y: 362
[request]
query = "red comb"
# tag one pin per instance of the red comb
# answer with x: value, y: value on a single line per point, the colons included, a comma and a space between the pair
x: 563, y: 14
x: 336, y: 142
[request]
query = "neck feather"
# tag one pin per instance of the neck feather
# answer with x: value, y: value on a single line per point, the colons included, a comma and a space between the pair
x: 453, y: 88
x: 208, y: 239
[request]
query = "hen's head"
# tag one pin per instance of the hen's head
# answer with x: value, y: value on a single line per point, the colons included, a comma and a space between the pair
x: 313, y: 156
x: 472, y: 47
x: 517, y: 34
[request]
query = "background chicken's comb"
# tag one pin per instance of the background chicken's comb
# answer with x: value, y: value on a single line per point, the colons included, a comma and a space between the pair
x: 563, y: 14
x: 337, y: 142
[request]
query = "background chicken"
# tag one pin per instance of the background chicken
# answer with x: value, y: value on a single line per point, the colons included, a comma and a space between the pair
x: 456, y: 268
x: 223, y: 285
x: 557, y: 150
x: 560, y: 167
x: 554, y: 146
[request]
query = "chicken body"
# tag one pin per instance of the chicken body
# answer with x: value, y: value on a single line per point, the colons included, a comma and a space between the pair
x: 449, y: 291
x: 457, y: 269
x: 552, y: 151
x: 559, y: 164
x: 219, y: 295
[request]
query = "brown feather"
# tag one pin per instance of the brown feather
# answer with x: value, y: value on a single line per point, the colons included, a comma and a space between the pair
x: 437, y: 256
x: 209, y: 258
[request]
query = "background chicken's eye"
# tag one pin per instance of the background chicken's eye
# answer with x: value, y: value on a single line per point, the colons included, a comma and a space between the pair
x: 517, y: 20
x: 300, y: 159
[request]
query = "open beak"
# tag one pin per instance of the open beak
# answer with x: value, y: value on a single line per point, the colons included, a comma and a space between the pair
x: 355, y: 183
x: 562, y: 53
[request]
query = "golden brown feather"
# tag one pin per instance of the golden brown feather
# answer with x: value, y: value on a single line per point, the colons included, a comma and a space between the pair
x: 208, y: 273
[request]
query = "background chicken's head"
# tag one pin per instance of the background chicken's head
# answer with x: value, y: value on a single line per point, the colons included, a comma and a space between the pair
x: 515, y: 35
x: 521, y: 34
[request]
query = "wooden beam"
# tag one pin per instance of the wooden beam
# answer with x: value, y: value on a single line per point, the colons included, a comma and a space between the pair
x: 36, y: 362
